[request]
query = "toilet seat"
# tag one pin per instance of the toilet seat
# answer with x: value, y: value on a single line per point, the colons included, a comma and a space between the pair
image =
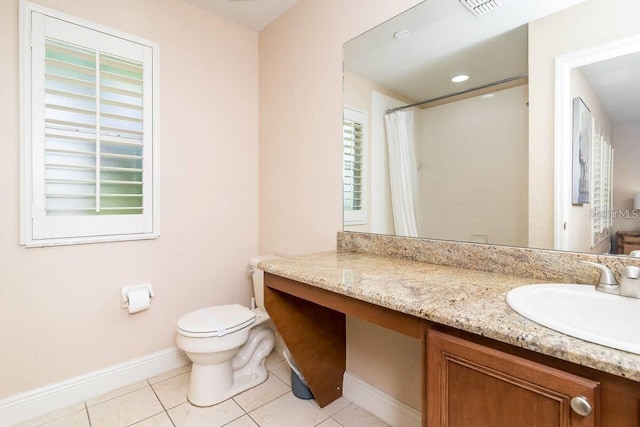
x: 215, y: 321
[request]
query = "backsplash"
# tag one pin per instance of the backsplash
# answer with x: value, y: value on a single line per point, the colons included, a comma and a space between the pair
x: 539, y: 264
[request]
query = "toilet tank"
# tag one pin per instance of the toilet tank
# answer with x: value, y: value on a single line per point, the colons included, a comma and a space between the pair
x: 258, y: 277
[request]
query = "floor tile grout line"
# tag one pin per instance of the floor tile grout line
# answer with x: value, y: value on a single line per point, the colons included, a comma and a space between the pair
x: 252, y: 419
x: 315, y: 407
x: 150, y: 416
x: 115, y: 397
x: 271, y: 365
x: 161, y: 404
x: 278, y: 377
x: 44, y: 418
x: 235, y: 419
x: 165, y: 379
x: 167, y: 409
x: 170, y: 419
x: 147, y: 383
x: 157, y: 397
x: 336, y: 421
x: 86, y: 410
x: 266, y: 403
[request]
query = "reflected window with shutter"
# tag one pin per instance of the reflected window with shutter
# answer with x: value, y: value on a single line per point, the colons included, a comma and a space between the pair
x: 90, y: 142
x: 353, y: 155
x: 601, y: 186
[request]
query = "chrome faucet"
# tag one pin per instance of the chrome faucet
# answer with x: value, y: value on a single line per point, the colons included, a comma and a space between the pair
x: 607, y: 282
x: 629, y: 283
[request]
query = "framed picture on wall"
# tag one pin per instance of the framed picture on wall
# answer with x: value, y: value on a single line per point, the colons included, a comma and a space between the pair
x: 582, y: 128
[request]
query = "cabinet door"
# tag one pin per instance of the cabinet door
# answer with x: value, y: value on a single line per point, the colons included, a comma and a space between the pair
x: 469, y: 385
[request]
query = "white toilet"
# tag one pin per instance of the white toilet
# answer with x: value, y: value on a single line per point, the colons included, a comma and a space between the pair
x: 227, y: 345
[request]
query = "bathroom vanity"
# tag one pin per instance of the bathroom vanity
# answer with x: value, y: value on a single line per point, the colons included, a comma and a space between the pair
x: 482, y: 363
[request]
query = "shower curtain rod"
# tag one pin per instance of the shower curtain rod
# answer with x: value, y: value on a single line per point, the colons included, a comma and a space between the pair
x: 462, y: 92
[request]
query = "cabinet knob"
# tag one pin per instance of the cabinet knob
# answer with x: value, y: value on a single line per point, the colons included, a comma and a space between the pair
x: 581, y: 406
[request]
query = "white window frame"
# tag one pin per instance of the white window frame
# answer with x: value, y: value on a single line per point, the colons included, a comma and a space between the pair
x: 358, y: 217
x: 36, y: 229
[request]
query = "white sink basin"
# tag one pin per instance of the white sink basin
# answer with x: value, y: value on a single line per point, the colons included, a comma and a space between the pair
x: 582, y: 312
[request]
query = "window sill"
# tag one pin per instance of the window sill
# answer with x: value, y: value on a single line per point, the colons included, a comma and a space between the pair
x: 87, y: 240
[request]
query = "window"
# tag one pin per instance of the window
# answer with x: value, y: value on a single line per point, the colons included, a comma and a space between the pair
x: 89, y: 132
x: 353, y: 154
x: 601, y: 186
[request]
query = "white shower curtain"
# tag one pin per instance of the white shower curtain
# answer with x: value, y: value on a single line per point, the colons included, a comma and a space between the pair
x: 403, y: 172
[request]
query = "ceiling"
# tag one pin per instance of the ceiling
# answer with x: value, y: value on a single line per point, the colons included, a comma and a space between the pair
x: 615, y: 83
x: 446, y: 40
x: 253, y: 14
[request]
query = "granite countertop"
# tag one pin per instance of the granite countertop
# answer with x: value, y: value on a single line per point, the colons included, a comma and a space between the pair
x: 470, y: 300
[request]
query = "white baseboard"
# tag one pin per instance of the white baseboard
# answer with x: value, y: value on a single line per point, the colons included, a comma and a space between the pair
x: 387, y: 408
x: 34, y: 403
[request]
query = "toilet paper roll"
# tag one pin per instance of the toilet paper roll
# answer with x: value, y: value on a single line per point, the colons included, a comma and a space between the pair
x: 138, y: 300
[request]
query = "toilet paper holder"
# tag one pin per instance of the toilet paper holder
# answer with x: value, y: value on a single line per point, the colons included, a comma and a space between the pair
x: 126, y: 289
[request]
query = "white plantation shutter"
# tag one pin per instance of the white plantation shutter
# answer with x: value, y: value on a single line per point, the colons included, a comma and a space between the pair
x: 601, y: 186
x: 91, y: 133
x: 353, y: 155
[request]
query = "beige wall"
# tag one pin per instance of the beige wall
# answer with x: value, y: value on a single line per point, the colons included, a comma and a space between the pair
x: 626, y: 176
x: 385, y: 359
x: 301, y: 156
x: 300, y: 120
x: 358, y: 93
x: 59, y: 307
x: 579, y: 216
x: 585, y: 25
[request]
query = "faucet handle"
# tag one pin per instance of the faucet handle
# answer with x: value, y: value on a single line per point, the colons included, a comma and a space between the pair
x: 607, y: 282
x: 629, y: 284
x: 632, y: 272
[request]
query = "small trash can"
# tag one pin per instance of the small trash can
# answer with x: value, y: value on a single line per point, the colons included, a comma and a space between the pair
x: 298, y: 384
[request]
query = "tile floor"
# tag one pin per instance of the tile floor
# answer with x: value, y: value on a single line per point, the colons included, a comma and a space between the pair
x: 162, y: 402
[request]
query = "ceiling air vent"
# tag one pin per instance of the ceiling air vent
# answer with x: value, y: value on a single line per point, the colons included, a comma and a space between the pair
x: 480, y: 7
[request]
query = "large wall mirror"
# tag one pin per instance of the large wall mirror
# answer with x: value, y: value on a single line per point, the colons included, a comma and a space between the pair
x: 512, y: 122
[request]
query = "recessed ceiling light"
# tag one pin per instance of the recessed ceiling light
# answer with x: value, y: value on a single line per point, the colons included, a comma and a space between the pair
x: 488, y: 95
x: 402, y: 34
x: 460, y: 78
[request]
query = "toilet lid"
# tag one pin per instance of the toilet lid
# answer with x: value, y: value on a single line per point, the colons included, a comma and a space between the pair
x: 215, y: 321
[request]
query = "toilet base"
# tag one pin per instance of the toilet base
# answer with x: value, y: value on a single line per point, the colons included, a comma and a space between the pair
x: 212, y: 384
x: 243, y: 381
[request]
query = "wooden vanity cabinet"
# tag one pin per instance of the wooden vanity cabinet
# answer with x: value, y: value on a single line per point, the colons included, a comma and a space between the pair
x: 474, y: 381
x: 470, y: 385
x: 468, y: 380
